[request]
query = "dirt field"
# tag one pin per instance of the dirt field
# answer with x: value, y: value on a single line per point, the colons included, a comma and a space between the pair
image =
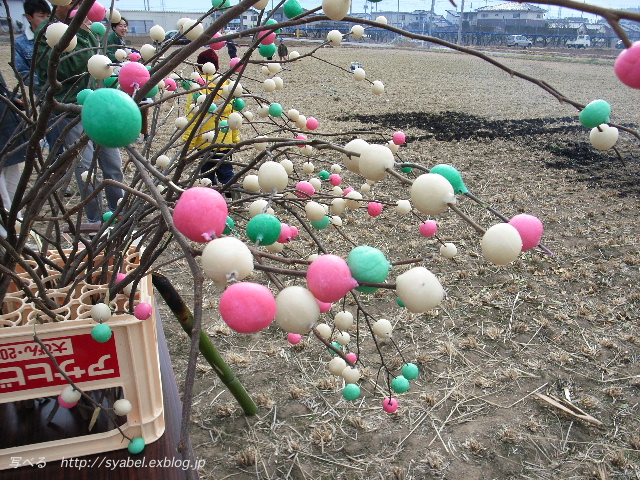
x: 565, y: 325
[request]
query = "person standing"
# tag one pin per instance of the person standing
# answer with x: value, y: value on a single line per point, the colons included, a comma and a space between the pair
x: 283, y: 51
x: 36, y: 12
x: 73, y: 76
x: 232, y: 48
x: 116, y: 41
x: 10, y: 165
x: 217, y: 167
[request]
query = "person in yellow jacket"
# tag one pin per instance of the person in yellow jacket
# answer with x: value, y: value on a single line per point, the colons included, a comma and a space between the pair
x: 217, y: 167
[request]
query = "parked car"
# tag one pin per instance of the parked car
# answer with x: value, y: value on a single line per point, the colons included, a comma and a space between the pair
x: 518, y: 41
x: 581, y: 41
x: 620, y: 44
x: 172, y: 35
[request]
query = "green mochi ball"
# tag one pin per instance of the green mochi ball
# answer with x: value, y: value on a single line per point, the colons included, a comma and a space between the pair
x: 292, y: 8
x: 220, y: 3
x: 111, y: 82
x: 267, y: 51
x: 238, y: 104
x: 101, y: 333
x: 410, y: 371
x: 400, y: 384
x: 82, y: 95
x: 275, y: 110
x: 368, y: 264
x: 596, y: 113
x: 271, y: 21
x: 452, y: 175
x: 111, y: 118
x: 229, y: 226
x: 136, y: 445
x: 264, y: 228
x: 98, y: 28
x: 351, y: 391
x: 321, y: 224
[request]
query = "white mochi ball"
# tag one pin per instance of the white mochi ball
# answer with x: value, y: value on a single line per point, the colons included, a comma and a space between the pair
x: 225, y: 258
x: 501, y: 244
x: 419, y: 289
x: 297, y: 310
x: 431, y: 193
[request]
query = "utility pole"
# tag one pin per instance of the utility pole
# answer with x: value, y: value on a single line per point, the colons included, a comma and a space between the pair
x: 433, y: 4
x: 460, y: 23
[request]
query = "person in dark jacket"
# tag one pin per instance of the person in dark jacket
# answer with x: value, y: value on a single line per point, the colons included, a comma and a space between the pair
x: 232, y: 48
x: 10, y: 160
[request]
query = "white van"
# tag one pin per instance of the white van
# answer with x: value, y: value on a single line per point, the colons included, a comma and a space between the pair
x: 518, y: 41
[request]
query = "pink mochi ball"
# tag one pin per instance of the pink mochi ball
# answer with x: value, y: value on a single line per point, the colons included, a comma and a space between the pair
x: 64, y: 404
x: 352, y: 357
x: 200, y: 81
x: 97, y: 12
x: 170, y: 84
x: 428, y: 228
x: 627, y: 66
x: 247, y: 307
x: 390, y: 405
x: 335, y: 179
x: 530, y: 229
x: 304, y: 189
x: 329, y: 278
x: 347, y: 191
x: 294, y: 338
x: 234, y: 64
x: 324, y: 307
x: 399, y: 138
x: 200, y: 214
x: 132, y: 75
x: 312, y: 123
x: 268, y: 39
x: 142, y: 311
x: 216, y: 45
x: 294, y: 231
x: 374, y: 208
x: 301, y: 137
x: 120, y: 277
x: 134, y: 56
x: 285, y: 233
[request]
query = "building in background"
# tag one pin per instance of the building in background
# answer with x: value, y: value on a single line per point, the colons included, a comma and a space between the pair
x: 16, y: 12
x: 508, y: 14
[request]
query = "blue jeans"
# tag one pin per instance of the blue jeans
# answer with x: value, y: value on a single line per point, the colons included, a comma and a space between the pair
x: 110, y: 163
x: 224, y: 172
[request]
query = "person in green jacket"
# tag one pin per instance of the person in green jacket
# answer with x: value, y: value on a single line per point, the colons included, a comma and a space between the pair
x: 115, y: 40
x: 73, y: 76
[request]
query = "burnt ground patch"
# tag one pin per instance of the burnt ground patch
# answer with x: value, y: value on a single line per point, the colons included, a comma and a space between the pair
x: 562, y: 137
x: 448, y: 126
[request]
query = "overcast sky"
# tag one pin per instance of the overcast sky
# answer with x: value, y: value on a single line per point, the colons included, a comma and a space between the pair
x: 358, y: 5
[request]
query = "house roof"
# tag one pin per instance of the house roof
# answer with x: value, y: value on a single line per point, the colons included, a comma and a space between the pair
x: 512, y: 7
